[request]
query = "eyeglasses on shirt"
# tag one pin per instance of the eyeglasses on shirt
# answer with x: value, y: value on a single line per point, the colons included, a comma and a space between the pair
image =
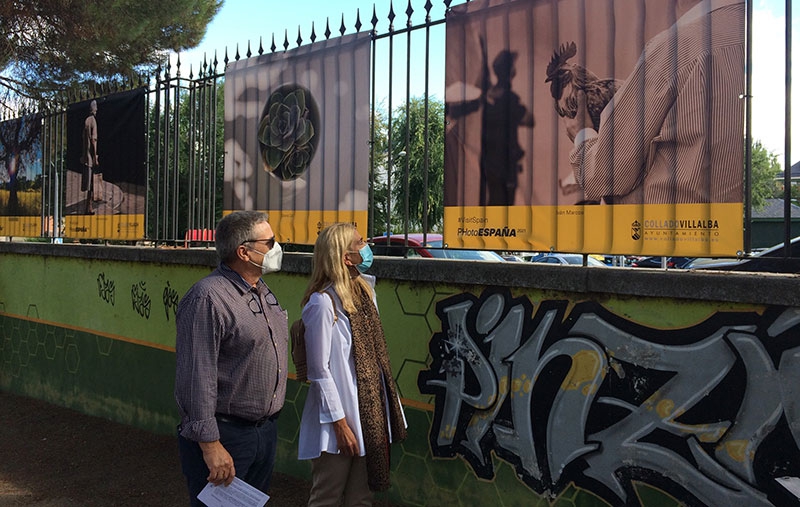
x: 254, y: 303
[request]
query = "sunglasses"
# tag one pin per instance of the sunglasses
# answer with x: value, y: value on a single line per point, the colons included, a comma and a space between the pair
x: 268, y: 242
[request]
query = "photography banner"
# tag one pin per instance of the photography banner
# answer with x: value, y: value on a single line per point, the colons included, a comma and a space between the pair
x: 297, y: 136
x: 21, y: 176
x: 106, y: 177
x: 610, y: 126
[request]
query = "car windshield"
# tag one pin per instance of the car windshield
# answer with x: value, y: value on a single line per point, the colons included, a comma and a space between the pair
x: 578, y: 260
x: 574, y: 259
x: 435, y: 248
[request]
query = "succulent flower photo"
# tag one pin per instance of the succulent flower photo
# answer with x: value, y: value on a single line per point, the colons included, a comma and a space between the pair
x: 287, y: 132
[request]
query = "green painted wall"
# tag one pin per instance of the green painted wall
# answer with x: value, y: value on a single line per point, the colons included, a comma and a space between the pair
x: 97, y: 335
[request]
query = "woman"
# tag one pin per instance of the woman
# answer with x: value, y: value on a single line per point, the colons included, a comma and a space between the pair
x: 352, y: 411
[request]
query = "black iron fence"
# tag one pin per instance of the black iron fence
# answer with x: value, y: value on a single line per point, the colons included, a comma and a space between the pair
x: 185, y: 119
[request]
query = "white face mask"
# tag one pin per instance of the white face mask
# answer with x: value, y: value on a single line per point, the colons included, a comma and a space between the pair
x: 272, y: 260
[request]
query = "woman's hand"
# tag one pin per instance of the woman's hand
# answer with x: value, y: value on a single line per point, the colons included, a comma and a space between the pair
x: 345, y: 439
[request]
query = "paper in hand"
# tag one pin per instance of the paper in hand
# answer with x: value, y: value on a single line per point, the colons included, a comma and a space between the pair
x: 238, y: 494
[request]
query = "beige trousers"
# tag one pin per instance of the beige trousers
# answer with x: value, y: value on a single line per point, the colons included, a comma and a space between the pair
x: 336, y: 475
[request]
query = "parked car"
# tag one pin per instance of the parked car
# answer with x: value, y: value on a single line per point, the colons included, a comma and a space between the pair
x: 566, y: 259
x: 396, y: 246
x: 771, y: 260
x: 655, y: 262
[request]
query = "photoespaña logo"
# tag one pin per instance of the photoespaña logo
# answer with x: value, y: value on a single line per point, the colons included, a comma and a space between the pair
x: 636, y: 230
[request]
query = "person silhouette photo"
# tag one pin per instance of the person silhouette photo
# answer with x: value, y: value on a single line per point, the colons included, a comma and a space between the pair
x: 501, y: 118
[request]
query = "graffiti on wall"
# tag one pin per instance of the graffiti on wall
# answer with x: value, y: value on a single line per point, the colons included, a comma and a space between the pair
x: 170, y: 298
x: 106, y: 289
x: 140, y: 299
x: 710, y: 414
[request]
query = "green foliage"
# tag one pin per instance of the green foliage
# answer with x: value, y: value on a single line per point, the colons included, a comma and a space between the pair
x: 417, y: 167
x: 49, y: 45
x: 765, y: 168
x: 180, y: 201
x: 379, y: 191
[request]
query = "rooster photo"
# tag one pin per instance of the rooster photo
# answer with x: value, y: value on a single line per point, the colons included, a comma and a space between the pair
x: 574, y: 103
x: 671, y: 132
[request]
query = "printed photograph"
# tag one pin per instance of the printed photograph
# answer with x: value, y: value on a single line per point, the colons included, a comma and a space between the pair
x: 297, y: 132
x: 21, y: 166
x: 558, y: 109
x: 105, y: 155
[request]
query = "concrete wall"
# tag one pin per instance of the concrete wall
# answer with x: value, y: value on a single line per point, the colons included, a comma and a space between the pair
x: 522, y: 383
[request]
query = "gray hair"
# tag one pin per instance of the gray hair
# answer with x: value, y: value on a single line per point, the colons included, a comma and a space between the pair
x: 235, y: 229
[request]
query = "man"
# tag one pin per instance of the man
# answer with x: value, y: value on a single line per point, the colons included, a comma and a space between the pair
x: 91, y: 179
x: 231, y: 354
x: 673, y: 133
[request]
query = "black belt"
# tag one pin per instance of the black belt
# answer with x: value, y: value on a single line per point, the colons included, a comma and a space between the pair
x: 232, y: 419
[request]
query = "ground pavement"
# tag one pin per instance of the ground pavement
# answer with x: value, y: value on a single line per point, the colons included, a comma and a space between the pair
x: 55, y: 457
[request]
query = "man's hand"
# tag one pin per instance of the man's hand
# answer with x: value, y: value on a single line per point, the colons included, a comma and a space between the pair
x: 219, y: 463
x: 582, y: 119
x: 345, y: 439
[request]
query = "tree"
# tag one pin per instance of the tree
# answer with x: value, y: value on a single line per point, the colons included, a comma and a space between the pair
x: 423, y: 185
x: 19, y: 148
x: 765, y: 169
x: 50, y: 45
x: 379, y: 191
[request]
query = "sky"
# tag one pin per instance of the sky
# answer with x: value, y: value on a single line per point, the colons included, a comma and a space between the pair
x: 240, y: 21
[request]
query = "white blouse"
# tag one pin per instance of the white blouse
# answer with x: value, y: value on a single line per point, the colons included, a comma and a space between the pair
x: 331, y: 370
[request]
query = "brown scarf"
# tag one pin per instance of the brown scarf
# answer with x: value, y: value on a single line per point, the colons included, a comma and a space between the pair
x: 372, y: 366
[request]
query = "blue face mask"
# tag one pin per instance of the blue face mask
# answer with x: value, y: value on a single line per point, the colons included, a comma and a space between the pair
x: 366, y: 258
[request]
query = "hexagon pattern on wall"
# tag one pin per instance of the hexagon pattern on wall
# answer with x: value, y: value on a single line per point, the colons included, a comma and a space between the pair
x: 52, y: 342
x: 104, y: 345
x: 417, y: 477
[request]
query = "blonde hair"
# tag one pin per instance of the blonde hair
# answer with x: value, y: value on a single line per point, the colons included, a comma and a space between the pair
x: 328, y: 267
